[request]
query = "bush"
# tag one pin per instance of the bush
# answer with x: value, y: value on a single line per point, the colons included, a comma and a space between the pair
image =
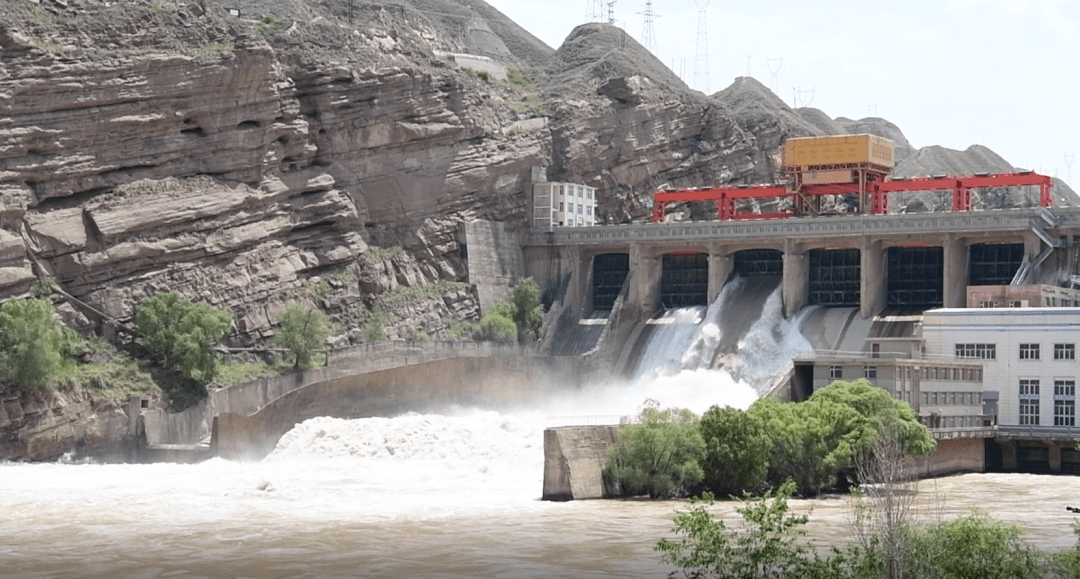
x: 302, y: 331
x: 736, y: 452
x: 767, y: 545
x: 373, y: 325
x: 183, y: 333
x: 974, y: 546
x: 498, y: 326
x: 525, y: 310
x: 34, y: 347
x: 660, y: 456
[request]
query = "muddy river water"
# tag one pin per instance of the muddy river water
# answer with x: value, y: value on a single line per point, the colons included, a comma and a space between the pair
x: 413, y: 496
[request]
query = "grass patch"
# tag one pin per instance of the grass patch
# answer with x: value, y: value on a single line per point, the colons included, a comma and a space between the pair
x: 376, y: 253
x: 516, y: 78
x: 373, y: 325
x: 159, y: 9
x: 403, y: 294
x: 458, y: 330
x: 212, y: 49
x: 45, y: 45
x: 530, y: 104
x: 270, y: 25
x: 37, y: 15
x: 237, y: 372
x: 118, y: 378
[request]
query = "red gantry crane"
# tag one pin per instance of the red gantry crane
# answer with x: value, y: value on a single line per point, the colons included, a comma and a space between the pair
x: 843, y: 165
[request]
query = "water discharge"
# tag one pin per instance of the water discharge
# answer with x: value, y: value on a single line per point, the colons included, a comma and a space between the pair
x: 454, y: 494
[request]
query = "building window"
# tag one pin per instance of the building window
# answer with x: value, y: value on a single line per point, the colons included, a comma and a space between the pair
x: 1015, y: 304
x: 1064, y: 402
x: 978, y: 351
x: 1029, y: 351
x: 836, y: 372
x: 986, y: 304
x: 875, y: 350
x: 562, y: 206
x: 1029, y: 401
x: 1064, y: 351
x: 869, y: 372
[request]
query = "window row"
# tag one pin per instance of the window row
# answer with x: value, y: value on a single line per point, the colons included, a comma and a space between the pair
x: 966, y: 421
x: 570, y: 191
x: 952, y: 398
x: 977, y: 351
x: 1061, y: 351
x: 956, y: 374
x: 587, y: 209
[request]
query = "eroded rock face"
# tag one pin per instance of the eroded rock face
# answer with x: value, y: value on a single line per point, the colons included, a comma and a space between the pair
x: 46, y: 425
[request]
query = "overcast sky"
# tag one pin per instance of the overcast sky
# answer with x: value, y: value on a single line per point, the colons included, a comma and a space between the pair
x: 1000, y: 73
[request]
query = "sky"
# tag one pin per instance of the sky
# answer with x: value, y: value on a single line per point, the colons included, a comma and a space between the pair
x: 999, y: 73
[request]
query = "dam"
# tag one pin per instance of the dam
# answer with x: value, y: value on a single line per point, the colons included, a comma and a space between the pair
x: 899, y: 261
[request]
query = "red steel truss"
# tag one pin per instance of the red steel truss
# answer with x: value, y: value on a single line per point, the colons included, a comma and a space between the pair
x: 878, y: 191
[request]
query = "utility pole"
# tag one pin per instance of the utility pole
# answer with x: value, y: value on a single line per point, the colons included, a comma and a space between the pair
x: 648, y: 38
x: 701, y: 55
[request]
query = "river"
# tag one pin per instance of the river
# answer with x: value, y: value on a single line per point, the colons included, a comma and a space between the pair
x: 412, y: 496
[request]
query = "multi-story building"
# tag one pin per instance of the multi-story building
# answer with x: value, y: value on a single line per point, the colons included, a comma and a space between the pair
x: 563, y: 205
x: 1021, y: 296
x: 996, y: 387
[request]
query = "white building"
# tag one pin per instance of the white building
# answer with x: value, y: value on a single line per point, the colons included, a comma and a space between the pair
x: 1028, y: 357
x: 563, y: 205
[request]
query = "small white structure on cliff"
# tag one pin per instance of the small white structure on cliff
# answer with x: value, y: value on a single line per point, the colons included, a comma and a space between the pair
x: 563, y: 204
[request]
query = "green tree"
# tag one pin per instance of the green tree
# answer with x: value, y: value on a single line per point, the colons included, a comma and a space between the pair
x: 33, y: 344
x: 974, y: 546
x: 768, y: 544
x: 736, y: 451
x: 498, y: 325
x: 813, y: 441
x: 660, y: 456
x: 525, y: 310
x: 810, y: 441
x: 878, y: 412
x: 183, y: 333
x: 302, y: 331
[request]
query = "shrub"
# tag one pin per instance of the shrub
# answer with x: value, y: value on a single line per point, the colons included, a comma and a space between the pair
x: 183, y: 333
x: 660, y: 456
x: 302, y: 331
x: 498, y: 326
x: 34, y: 347
x: 768, y: 544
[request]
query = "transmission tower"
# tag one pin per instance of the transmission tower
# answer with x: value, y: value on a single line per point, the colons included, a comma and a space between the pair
x: 648, y: 37
x: 1068, y: 167
x: 611, y: 12
x: 801, y: 96
x: 701, y: 55
x: 774, y: 65
x: 594, y: 11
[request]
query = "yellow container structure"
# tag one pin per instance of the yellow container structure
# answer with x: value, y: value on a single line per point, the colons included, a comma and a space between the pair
x: 837, y: 150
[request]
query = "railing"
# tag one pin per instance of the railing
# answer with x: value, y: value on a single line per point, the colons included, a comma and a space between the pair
x: 1000, y: 220
x: 594, y: 420
x: 869, y: 356
x: 1032, y: 431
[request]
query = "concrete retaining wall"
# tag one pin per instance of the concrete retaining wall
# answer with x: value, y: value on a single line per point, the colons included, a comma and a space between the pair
x: 498, y: 382
x: 574, y: 458
x: 952, y: 457
x: 193, y: 425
